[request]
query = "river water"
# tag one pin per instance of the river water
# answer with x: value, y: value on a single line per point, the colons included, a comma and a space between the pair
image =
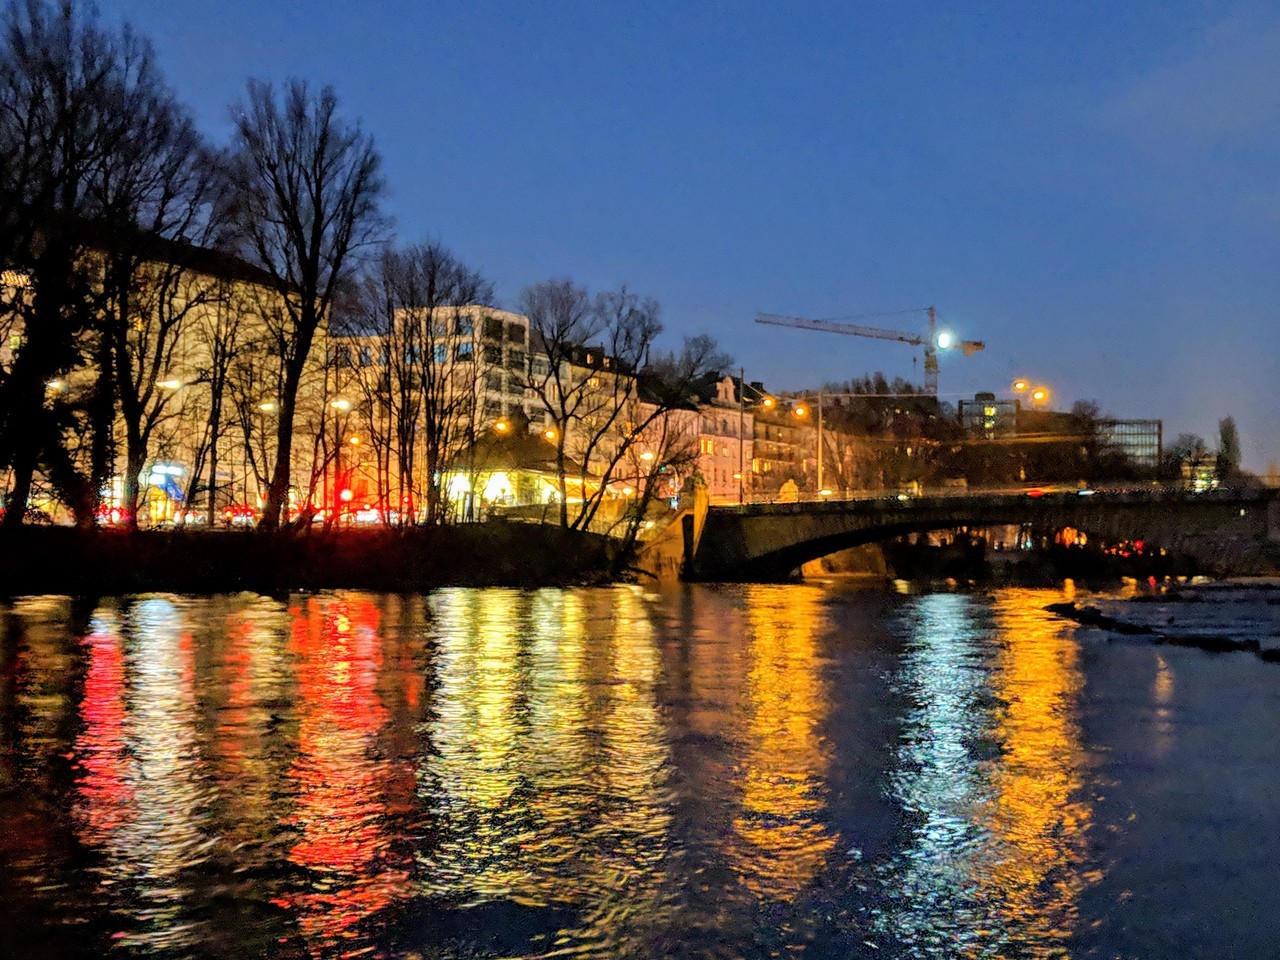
x: 745, y: 771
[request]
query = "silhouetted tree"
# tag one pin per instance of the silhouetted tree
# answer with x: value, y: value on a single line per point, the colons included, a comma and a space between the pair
x: 1228, y: 449
x: 67, y: 92
x: 1187, y: 448
x: 410, y: 302
x: 303, y: 203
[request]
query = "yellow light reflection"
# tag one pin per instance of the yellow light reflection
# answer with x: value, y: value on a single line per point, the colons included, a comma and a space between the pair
x: 1039, y: 819
x: 991, y: 771
x: 537, y: 694
x: 784, y: 767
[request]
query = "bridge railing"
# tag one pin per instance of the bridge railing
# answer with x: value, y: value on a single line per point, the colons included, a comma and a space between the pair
x: 1131, y: 490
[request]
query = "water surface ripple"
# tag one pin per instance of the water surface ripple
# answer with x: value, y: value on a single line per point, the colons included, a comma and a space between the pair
x: 746, y: 771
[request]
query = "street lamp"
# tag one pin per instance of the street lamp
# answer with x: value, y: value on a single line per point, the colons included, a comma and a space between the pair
x: 1034, y: 392
x: 802, y: 411
x: 342, y: 405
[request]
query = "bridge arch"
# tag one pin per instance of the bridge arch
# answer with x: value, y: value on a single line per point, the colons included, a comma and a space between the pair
x: 768, y: 542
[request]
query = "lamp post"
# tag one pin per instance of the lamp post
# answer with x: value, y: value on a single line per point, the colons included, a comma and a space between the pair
x: 341, y: 405
x: 742, y: 419
x: 820, y: 444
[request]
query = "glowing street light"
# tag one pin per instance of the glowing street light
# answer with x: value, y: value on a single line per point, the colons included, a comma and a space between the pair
x: 171, y: 384
x: 549, y: 433
x: 647, y: 456
x: 267, y: 406
x: 340, y: 404
x: 1020, y: 385
x: 501, y: 426
x: 800, y: 411
x: 1039, y: 395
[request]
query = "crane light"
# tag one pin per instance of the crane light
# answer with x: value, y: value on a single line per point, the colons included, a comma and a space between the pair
x: 945, y: 340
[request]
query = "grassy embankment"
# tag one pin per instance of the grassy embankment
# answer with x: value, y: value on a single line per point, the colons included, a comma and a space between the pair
x: 59, y: 560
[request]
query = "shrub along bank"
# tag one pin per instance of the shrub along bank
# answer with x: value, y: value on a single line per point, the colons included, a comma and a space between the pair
x: 68, y: 561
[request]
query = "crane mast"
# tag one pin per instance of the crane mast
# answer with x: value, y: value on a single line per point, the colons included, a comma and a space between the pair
x: 929, y: 340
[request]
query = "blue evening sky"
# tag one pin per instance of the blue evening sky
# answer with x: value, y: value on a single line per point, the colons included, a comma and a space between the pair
x: 1093, y: 188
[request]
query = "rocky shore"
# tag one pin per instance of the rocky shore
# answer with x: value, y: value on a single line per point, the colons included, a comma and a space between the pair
x: 1218, y: 617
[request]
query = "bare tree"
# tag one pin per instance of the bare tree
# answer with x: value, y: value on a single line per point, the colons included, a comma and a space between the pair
x: 598, y: 351
x: 411, y: 305
x: 303, y: 203
x: 155, y: 197
x: 65, y: 86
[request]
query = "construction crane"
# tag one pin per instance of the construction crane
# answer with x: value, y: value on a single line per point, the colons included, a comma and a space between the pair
x: 932, y: 342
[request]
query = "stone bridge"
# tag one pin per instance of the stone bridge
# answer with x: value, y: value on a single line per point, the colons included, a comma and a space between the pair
x: 769, y: 541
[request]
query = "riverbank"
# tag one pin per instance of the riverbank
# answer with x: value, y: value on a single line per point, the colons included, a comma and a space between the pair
x: 67, y: 561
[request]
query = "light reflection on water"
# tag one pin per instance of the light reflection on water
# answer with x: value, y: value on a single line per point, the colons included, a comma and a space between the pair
x: 732, y: 771
x: 989, y: 781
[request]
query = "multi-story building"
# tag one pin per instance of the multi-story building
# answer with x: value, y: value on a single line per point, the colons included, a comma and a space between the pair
x: 725, y: 444
x: 204, y: 383
x: 987, y: 417
x: 1141, y: 442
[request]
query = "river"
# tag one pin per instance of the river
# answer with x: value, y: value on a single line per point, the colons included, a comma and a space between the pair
x: 713, y: 771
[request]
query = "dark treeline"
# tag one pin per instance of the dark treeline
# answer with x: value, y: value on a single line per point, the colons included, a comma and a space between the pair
x: 124, y: 234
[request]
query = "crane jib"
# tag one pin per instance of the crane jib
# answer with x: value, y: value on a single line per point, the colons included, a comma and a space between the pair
x: 968, y: 347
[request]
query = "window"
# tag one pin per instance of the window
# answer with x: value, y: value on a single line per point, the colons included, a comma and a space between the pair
x: 464, y: 326
x: 540, y: 368
x: 493, y: 408
x: 515, y: 359
x: 708, y: 447
x: 464, y: 351
x: 493, y: 355
x: 492, y: 328
x: 366, y: 357
x: 494, y: 382
x: 342, y: 356
x: 440, y: 353
x: 515, y: 333
x: 515, y: 385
